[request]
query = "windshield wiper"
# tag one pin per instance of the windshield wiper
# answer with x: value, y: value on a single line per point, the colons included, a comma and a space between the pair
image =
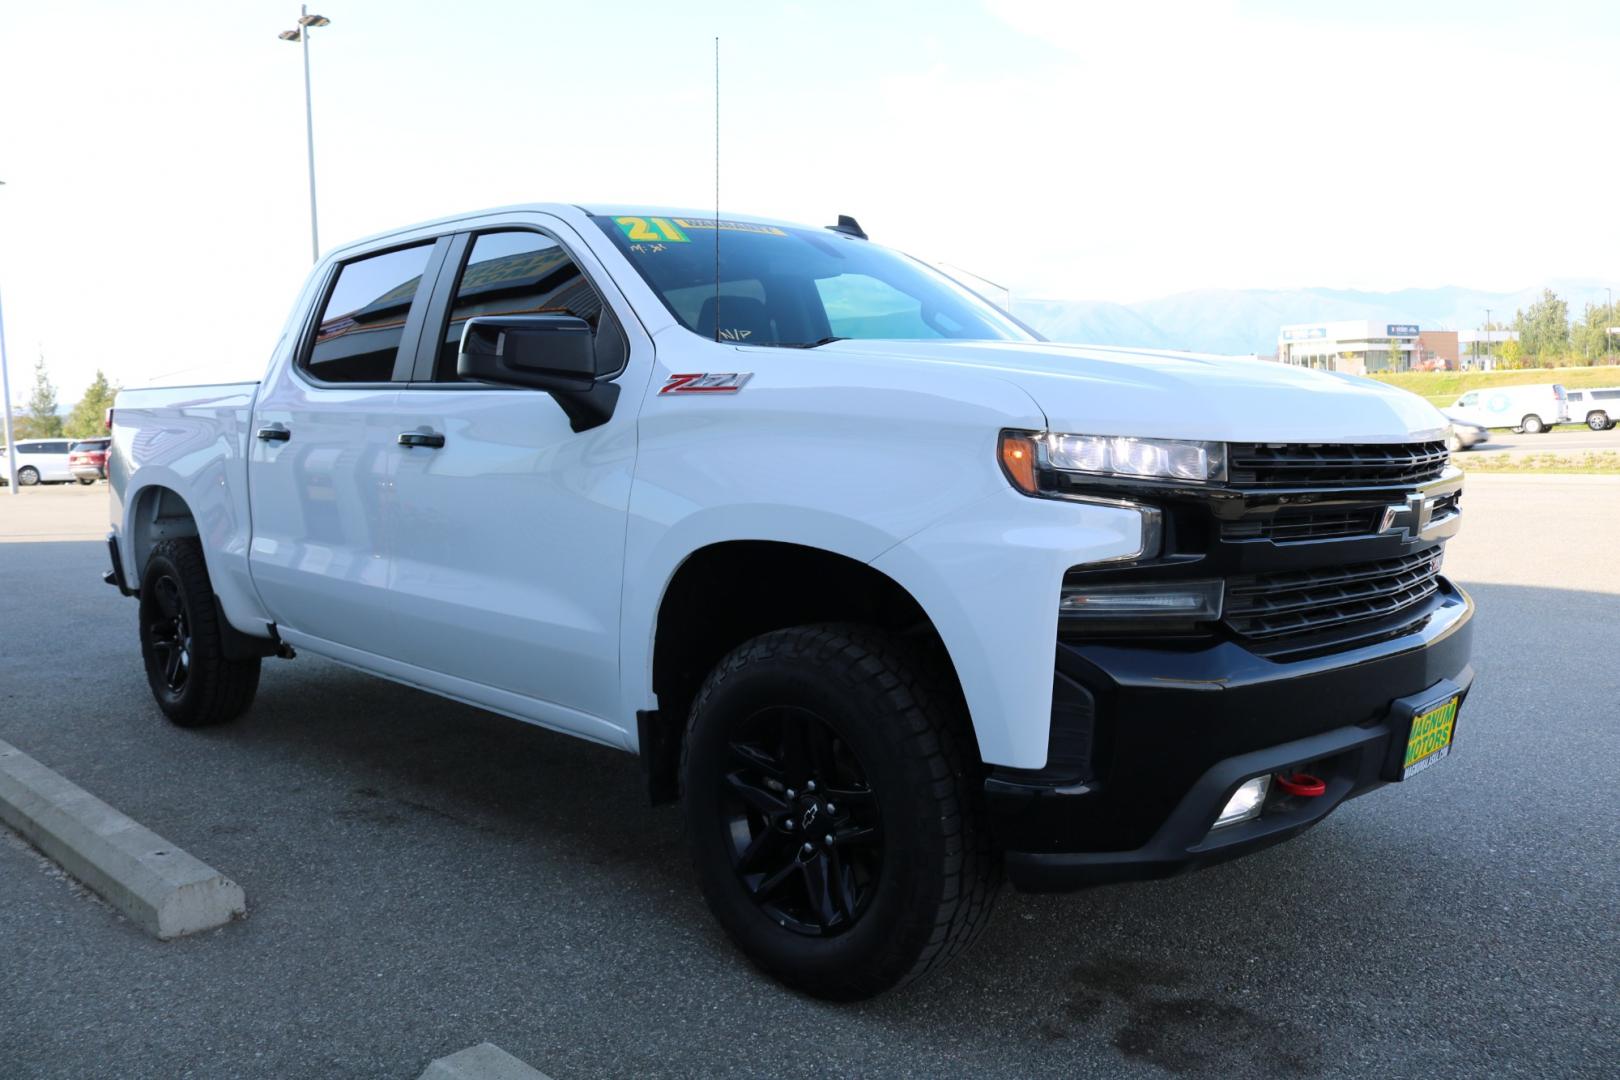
x: 812, y: 344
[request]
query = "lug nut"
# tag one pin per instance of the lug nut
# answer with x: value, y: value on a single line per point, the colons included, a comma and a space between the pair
x: 828, y: 838
x: 811, y: 786
x: 808, y: 847
x: 788, y: 824
x: 831, y: 809
x: 792, y: 794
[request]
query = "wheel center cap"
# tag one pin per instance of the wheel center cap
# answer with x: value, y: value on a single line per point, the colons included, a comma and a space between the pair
x: 808, y: 819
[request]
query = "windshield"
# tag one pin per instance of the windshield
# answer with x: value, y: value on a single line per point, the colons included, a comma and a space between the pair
x: 786, y: 286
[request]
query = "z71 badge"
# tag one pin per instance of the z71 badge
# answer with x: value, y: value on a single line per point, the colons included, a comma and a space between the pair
x: 707, y: 383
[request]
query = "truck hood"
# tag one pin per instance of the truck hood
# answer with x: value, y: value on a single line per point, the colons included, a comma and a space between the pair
x: 1102, y: 390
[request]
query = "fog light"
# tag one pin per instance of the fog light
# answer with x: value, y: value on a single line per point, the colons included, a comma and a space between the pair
x: 1246, y: 802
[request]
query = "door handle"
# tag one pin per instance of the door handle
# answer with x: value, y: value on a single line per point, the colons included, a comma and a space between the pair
x: 429, y: 439
x: 274, y: 433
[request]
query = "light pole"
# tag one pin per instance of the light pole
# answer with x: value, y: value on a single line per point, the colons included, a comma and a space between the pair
x: 306, y: 23
x: 5, y: 391
x: 1489, y: 356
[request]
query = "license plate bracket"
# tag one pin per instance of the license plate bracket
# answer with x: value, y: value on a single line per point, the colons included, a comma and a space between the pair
x: 1423, y: 730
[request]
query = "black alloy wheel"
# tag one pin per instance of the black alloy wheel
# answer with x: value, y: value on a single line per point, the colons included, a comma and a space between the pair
x: 168, y: 633
x: 834, y: 809
x: 194, y: 681
x: 803, y: 822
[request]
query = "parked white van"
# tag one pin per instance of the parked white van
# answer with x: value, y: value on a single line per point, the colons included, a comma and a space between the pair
x: 39, y: 461
x: 1530, y: 409
x: 1597, y: 408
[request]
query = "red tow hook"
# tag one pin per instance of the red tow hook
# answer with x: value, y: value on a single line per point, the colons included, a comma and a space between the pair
x: 1302, y: 784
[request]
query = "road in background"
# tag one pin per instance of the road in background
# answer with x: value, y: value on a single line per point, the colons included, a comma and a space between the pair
x: 422, y: 876
x: 1563, y: 440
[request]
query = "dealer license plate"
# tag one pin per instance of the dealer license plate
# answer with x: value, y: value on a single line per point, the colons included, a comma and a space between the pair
x: 1430, y: 740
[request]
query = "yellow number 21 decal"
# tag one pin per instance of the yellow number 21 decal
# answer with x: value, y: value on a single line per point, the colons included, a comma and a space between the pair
x: 651, y: 230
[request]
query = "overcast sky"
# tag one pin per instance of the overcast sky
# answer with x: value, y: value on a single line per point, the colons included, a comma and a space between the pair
x: 155, y: 217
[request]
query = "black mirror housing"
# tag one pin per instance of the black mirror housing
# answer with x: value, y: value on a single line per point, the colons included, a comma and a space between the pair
x: 541, y: 352
x: 555, y: 353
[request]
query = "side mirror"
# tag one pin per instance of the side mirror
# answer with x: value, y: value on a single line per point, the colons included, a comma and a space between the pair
x: 542, y: 352
x: 555, y: 353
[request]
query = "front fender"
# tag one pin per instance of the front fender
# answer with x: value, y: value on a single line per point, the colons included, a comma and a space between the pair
x: 990, y: 577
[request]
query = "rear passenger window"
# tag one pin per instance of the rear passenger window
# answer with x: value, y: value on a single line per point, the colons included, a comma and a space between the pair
x: 515, y: 273
x: 1606, y: 395
x: 358, y: 336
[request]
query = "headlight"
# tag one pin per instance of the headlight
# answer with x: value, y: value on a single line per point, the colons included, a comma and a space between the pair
x: 1023, y: 454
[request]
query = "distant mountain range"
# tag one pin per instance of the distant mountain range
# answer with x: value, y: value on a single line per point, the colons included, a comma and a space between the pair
x: 1247, y: 320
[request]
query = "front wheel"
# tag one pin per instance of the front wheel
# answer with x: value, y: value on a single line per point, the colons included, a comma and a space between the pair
x: 1532, y: 425
x: 27, y: 476
x: 1598, y: 421
x: 87, y: 480
x: 1453, y: 444
x: 181, y: 643
x: 833, y: 810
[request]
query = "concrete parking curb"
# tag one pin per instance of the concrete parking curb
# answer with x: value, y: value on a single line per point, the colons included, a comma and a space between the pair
x: 162, y: 889
x: 486, y: 1061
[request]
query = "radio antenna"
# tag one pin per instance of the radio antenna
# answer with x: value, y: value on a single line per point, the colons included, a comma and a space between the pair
x: 717, y: 188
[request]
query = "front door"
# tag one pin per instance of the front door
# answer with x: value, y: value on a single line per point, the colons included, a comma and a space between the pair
x: 508, y: 526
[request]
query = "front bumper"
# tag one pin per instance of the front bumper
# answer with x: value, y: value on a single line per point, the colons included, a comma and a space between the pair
x: 1173, y: 731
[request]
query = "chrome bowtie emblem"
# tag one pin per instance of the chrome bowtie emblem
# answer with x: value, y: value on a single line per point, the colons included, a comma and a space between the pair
x: 810, y: 815
x: 1390, y: 513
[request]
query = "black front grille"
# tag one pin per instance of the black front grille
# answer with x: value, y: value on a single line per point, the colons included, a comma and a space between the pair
x: 1287, y: 526
x: 1268, y: 607
x: 1303, y: 465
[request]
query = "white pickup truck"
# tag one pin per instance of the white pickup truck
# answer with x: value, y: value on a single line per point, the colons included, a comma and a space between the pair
x: 898, y: 598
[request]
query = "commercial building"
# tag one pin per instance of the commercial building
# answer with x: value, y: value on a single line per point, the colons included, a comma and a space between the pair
x: 1354, y: 347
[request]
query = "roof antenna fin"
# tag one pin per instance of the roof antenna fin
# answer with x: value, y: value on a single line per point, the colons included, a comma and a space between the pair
x: 849, y: 227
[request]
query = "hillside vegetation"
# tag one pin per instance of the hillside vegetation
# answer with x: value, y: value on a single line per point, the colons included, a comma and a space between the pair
x: 1444, y: 387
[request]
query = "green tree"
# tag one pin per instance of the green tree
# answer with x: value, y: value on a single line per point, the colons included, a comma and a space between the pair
x: 88, y: 416
x: 1509, y: 356
x: 39, y: 419
x: 1544, y: 327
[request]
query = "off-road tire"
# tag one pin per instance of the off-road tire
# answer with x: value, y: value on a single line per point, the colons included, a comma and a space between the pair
x: 895, y: 709
x: 214, y: 690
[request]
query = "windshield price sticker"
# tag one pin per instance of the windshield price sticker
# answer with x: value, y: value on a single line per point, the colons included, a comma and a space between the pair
x: 659, y: 230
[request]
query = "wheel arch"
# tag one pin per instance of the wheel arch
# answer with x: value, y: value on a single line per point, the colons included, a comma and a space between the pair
x: 157, y: 512
x: 730, y: 591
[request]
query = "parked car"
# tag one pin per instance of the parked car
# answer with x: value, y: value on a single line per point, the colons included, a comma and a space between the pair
x: 893, y: 595
x: 39, y: 461
x: 87, y: 459
x: 1531, y: 409
x: 1464, y: 434
x: 1595, y: 408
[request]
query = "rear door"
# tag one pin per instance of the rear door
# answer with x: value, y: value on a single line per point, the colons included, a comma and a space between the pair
x: 508, y: 538
x: 320, y: 456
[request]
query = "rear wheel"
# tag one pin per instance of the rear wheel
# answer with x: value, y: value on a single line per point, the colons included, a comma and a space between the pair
x: 833, y: 811
x: 1532, y: 425
x: 87, y: 480
x: 27, y: 476
x: 181, y: 644
x: 1598, y: 421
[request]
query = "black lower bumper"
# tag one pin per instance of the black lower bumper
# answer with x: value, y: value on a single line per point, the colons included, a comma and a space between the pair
x: 1177, y: 730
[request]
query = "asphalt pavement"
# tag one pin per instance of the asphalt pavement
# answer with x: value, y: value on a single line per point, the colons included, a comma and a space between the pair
x: 1560, y: 440
x: 422, y: 876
